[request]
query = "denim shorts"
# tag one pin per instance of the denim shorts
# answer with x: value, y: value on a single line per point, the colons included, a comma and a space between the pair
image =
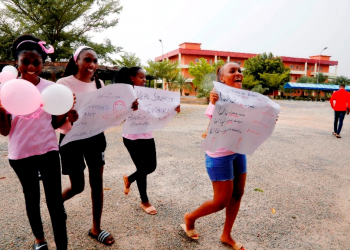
x: 225, y: 168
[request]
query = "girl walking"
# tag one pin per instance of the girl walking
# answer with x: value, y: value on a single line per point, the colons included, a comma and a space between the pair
x: 141, y: 147
x: 226, y: 169
x: 80, y: 76
x: 32, y: 146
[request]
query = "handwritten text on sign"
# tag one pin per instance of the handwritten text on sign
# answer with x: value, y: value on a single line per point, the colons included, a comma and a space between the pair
x: 156, y: 109
x: 242, y: 120
x: 101, y: 109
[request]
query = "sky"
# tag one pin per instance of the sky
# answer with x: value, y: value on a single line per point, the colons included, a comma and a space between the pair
x: 298, y: 28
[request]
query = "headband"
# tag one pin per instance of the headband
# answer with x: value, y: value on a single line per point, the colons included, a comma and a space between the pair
x: 78, y: 51
x: 47, y: 48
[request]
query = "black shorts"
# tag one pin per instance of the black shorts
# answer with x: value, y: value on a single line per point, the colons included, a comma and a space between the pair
x: 73, y: 154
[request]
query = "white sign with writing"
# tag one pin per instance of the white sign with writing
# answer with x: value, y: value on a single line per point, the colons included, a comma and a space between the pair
x: 242, y: 120
x: 101, y: 109
x: 156, y: 109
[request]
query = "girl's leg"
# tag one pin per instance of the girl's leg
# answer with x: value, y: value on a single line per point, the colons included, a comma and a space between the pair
x: 77, y: 184
x: 50, y: 170
x: 143, y: 154
x: 222, y: 196
x: 27, y: 172
x: 96, y: 184
x: 233, y: 207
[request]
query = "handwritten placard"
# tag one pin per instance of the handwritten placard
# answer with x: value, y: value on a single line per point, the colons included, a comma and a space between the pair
x: 241, y: 122
x: 156, y: 109
x: 101, y: 109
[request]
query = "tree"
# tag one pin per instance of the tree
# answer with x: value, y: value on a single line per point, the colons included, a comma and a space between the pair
x: 206, y: 86
x: 128, y: 60
x: 305, y: 79
x: 199, y: 70
x: 180, y: 83
x: 265, y: 63
x: 273, y: 81
x: 259, y: 89
x: 162, y: 69
x: 63, y: 24
x: 341, y: 80
x: 249, y: 82
x: 322, y: 78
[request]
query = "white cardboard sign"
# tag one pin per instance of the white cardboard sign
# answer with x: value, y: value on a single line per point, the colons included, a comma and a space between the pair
x: 156, y: 109
x: 101, y: 109
x: 241, y: 122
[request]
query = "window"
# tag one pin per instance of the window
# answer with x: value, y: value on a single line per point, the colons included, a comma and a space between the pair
x: 308, y: 67
x: 196, y: 60
x: 211, y: 61
x: 320, y: 68
x: 239, y: 63
x: 312, y: 68
x: 297, y: 67
x: 292, y: 77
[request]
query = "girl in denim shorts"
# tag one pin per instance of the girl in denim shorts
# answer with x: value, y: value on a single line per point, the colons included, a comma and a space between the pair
x: 226, y: 169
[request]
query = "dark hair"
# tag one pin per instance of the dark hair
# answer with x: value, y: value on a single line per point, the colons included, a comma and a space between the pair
x: 27, y: 46
x: 72, y: 69
x: 124, y: 75
x: 342, y: 85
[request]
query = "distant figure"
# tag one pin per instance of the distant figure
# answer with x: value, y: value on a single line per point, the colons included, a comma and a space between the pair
x: 341, y: 98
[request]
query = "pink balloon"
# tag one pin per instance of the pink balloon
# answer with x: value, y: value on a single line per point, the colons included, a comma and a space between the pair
x: 6, y: 76
x: 20, y: 97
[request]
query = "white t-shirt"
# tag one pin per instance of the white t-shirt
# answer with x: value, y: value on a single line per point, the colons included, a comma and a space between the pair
x: 76, y: 86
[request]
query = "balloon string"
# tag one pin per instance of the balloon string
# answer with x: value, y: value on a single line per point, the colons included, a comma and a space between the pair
x: 35, y: 115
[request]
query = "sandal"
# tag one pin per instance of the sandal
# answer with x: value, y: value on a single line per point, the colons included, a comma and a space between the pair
x: 101, y: 237
x: 126, y: 180
x: 149, y: 210
x: 236, y: 246
x: 338, y: 136
x: 190, y: 233
x: 334, y: 133
x: 41, y: 246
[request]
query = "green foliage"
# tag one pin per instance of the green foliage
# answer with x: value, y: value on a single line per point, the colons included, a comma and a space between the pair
x: 63, y: 24
x: 180, y: 83
x: 259, y: 89
x: 128, y: 60
x: 206, y: 86
x: 249, y: 82
x: 163, y: 69
x: 305, y: 79
x: 322, y: 78
x: 265, y: 63
x: 274, y: 81
x: 341, y: 80
x: 201, y: 69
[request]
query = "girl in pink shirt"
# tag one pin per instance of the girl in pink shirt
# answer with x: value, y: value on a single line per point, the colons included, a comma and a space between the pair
x: 33, y: 146
x: 141, y: 147
x: 80, y: 76
x: 226, y: 169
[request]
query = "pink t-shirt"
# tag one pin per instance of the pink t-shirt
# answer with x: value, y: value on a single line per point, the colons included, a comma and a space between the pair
x: 220, y: 152
x: 32, y: 136
x: 76, y: 86
x: 148, y: 135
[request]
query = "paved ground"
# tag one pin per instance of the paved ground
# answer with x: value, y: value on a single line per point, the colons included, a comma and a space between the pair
x: 302, y: 169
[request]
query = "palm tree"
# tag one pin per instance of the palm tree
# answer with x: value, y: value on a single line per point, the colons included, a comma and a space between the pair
x: 341, y: 80
x: 180, y: 83
x: 259, y: 89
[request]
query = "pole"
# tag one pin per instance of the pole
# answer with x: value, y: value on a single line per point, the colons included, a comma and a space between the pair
x: 160, y: 40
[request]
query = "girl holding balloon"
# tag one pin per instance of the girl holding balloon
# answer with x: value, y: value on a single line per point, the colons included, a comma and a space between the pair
x: 32, y: 145
x: 80, y: 76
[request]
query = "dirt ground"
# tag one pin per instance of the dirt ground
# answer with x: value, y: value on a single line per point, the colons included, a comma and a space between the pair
x: 302, y: 169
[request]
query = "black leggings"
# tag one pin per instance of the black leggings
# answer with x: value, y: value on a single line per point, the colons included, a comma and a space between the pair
x: 143, y: 154
x: 50, y: 169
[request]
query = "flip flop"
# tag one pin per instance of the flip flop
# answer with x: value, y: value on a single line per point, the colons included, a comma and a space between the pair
x: 101, y: 237
x: 40, y: 246
x: 149, y: 209
x: 236, y: 246
x: 190, y: 233
x: 126, y: 190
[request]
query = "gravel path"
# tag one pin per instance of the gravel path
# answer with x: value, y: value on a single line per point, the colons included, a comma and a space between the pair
x: 302, y: 170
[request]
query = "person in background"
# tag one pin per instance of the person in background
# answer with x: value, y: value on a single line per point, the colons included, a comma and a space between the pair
x: 341, y: 99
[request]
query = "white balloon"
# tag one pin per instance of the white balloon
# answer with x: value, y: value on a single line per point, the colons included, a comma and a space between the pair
x: 11, y: 69
x: 57, y: 99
